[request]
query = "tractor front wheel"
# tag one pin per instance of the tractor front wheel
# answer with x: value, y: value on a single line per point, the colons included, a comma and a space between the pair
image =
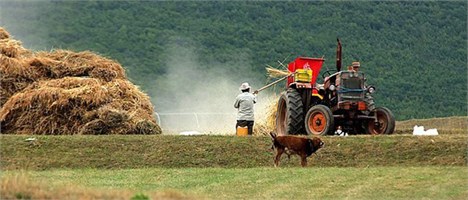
x: 319, y: 120
x: 384, y: 124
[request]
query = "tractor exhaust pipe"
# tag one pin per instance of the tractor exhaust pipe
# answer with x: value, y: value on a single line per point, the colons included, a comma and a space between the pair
x: 338, y: 55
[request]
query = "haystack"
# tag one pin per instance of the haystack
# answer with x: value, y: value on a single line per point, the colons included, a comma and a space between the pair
x: 13, y: 48
x: 4, y: 34
x: 267, y: 122
x: 63, y: 63
x: 14, y: 75
x: 18, y: 72
x: 64, y: 92
x: 76, y: 105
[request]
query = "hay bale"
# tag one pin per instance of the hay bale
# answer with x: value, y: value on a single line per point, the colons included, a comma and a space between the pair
x: 13, y: 48
x: 75, y: 105
x: 63, y: 63
x: 4, y: 34
x: 64, y: 92
x: 112, y: 117
x: 145, y: 127
x: 20, y: 67
x: 42, y: 67
x: 14, y: 77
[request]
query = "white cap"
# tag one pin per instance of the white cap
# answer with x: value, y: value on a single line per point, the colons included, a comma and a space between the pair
x: 244, y: 86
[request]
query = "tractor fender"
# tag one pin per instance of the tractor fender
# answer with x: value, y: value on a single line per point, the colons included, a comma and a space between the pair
x: 298, y: 85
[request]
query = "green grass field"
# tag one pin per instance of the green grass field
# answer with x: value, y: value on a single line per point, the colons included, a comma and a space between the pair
x: 255, y: 183
x: 170, y: 151
x: 399, y: 166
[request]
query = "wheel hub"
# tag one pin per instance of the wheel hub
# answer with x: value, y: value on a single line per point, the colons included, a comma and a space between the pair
x: 317, y: 123
x: 376, y: 124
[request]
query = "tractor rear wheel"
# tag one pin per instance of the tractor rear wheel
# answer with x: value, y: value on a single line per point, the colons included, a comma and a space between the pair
x: 385, y: 123
x: 290, y: 114
x: 319, y: 120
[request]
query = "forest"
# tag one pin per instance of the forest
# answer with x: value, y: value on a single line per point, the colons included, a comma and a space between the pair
x: 414, y: 53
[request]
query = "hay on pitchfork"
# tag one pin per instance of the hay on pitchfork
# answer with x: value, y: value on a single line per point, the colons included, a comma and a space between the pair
x: 277, y: 73
x: 75, y: 105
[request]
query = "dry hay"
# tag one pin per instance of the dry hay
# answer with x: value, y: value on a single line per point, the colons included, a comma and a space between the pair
x: 75, y: 105
x: 20, y: 67
x: 267, y: 122
x: 14, y: 77
x: 4, y: 34
x: 14, y: 73
x: 63, y: 63
x: 277, y: 73
x: 64, y: 92
x: 13, y: 48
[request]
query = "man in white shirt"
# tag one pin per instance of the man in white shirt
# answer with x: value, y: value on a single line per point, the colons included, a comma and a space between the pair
x: 245, y: 107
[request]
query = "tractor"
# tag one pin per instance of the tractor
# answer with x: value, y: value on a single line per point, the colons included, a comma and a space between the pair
x: 343, y: 101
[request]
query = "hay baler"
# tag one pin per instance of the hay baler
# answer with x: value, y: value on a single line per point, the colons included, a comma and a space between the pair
x: 342, y: 100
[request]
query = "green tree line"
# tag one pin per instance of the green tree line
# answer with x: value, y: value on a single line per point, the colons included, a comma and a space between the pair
x: 415, y: 53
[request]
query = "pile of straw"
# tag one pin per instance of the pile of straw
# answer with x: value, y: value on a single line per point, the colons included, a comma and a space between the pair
x: 4, y: 34
x: 64, y: 92
x: 14, y: 75
x: 63, y: 63
x: 267, y: 122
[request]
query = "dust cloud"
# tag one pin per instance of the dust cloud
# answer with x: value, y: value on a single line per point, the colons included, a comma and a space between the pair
x: 189, y: 95
x: 15, y: 17
x: 194, y: 97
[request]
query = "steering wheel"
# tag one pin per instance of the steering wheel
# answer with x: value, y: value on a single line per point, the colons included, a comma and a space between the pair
x: 327, y: 73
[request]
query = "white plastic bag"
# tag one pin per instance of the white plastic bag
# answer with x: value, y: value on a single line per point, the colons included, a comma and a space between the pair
x: 419, y: 130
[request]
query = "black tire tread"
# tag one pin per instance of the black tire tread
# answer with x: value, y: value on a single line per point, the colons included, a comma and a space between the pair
x: 295, y: 116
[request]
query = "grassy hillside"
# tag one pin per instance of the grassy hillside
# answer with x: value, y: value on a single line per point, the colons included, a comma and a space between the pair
x: 447, y: 124
x: 120, y: 152
x: 399, y: 166
x: 413, y: 52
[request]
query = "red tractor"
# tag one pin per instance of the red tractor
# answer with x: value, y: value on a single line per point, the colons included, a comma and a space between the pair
x: 343, y: 101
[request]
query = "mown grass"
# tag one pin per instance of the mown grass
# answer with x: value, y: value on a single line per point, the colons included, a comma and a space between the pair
x: 399, y: 166
x: 123, y: 151
x: 255, y: 183
x: 446, y: 125
x: 18, y: 185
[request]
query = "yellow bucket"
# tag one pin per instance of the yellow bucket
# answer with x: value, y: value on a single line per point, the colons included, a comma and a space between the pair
x: 303, y: 75
x: 242, y: 131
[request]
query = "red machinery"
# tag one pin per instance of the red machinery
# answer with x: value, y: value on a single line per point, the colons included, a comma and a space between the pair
x: 343, y: 100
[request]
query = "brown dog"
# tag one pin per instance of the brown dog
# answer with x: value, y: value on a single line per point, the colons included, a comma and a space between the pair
x: 302, y: 146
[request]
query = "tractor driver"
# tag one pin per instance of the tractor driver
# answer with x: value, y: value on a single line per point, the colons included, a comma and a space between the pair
x: 356, y: 66
x: 245, y: 107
